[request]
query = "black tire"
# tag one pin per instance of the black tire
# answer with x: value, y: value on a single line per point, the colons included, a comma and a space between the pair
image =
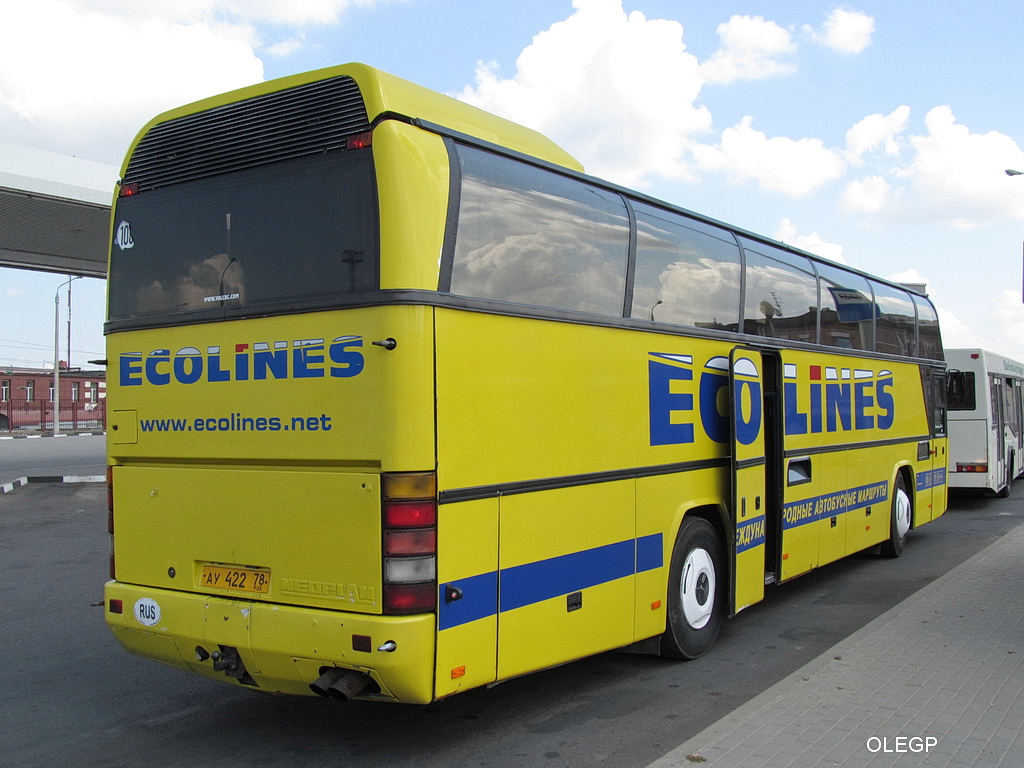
x: 900, y: 514
x: 696, y: 591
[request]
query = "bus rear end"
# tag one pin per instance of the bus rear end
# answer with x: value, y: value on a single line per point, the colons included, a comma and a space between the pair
x: 271, y: 440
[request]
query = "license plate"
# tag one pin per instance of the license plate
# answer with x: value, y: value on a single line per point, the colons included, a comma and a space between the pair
x: 238, y: 578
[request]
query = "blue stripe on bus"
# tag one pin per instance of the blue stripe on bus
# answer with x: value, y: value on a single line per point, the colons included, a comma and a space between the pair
x: 932, y: 478
x: 532, y: 583
x: 750, y: 534
x: 649, y: 553
x: 816, y: 508
x: 478, y: 601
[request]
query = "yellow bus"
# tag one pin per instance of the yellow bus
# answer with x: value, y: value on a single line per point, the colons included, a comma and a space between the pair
x: 402, y: 403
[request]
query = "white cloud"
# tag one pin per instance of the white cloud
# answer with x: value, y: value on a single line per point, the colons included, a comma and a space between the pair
x: 909, y: 277
x: 751, y: 49
x: 867, y: 195
x: 950, y: 175
x: 875, y: 131
x: 82, y: 76
x: 286, y: 47
x: 795, y: 167
x: 587, y: 83
x: 955, y: 332
x: 813, y: 243
x: 958, y: 175
x: 1008, y: 322
x: 289, y: 13
x: 845, y: 31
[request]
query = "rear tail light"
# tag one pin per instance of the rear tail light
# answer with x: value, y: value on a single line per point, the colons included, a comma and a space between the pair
x: 410, y: 542
x: 972, y: 467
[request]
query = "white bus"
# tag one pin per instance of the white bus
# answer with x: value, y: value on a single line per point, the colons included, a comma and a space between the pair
x: 985, y: 397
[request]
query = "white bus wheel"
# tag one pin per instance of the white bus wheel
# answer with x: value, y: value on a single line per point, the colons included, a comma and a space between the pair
x: 696, y: 591
x: 899, y: 525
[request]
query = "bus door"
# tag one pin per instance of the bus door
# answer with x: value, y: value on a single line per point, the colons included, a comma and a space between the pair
x: 931, y: 453
x: 1010, y: 390
x: 749, y: 478
x: 801, y: 471
x: 997, y: 438
x: 1018, y: 419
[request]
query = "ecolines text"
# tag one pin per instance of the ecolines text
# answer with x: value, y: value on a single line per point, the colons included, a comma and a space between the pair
x: 258, y: 361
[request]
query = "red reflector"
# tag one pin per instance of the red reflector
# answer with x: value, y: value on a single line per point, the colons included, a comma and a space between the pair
x: 409, y: 598
x: 362, y: 643
x: 410, y: 542
x: 127, y: 190
x: 359, y: 141
x: 410, y: 514
x: 116, y: 606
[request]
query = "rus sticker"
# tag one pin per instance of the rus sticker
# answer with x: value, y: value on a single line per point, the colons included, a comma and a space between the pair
x: 147, y: 612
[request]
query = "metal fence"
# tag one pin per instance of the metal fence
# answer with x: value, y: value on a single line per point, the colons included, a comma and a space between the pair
x: 32, y: 416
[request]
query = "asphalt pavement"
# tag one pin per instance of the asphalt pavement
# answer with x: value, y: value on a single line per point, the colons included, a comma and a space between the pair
x: 70, y: 457
x: 935, y: 681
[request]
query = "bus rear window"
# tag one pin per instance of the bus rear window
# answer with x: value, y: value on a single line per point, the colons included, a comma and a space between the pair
x: 278, y: 238
x: 960, y: 391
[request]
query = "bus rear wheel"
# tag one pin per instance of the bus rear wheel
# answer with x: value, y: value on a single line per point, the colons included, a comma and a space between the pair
x: 899, y: 524
x: 696, y: 591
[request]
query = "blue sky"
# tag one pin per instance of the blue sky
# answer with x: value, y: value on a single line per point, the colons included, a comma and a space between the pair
x: 875, y: 133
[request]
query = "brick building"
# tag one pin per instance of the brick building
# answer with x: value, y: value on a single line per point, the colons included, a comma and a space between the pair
x: 26, y: 400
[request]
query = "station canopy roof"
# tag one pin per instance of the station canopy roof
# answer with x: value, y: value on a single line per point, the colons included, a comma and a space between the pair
x: 54, y: 211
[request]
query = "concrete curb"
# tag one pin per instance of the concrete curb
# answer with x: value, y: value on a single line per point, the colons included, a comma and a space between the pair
x: 17, y: 483
x: 37, y: 435
x: 22, y: 481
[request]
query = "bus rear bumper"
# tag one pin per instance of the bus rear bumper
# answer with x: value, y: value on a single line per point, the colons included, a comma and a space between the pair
x: 282, y: 648
x: 969, y: 480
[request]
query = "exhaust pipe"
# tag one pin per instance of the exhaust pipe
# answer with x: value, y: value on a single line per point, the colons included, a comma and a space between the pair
x: 340, y: 684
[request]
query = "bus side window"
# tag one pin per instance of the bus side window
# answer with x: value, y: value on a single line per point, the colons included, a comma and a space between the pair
x: 532, y: 236
x: 960, y: 391
x: 929, y: 341
x: 687, y: 271
x: 848, y: 310
x: 781, y: 294
x: 894, y: 321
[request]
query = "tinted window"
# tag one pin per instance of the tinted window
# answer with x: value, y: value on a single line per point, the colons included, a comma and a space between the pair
x: 280, y: 237
x: 929, y: 343
x: 687, y: 272
x: 894, y: 321
x: 847, y: 309
x: 781, y: 294
x: 532, y: 236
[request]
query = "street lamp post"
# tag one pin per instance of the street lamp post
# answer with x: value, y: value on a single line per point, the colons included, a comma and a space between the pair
x: 1011, y: 172
x: 56, y: 352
